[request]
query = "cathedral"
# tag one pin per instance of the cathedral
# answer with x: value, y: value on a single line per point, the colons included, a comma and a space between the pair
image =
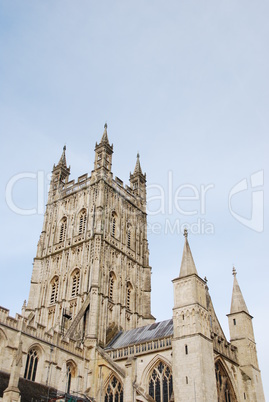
x: 86, y: 332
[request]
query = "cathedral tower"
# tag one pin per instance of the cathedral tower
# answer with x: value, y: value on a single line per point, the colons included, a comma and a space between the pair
x: 91, y: 275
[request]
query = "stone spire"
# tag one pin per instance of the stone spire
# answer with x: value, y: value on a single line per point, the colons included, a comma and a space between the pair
x: 137, y: 168
x: 187, y: 263
x: 238, y: 303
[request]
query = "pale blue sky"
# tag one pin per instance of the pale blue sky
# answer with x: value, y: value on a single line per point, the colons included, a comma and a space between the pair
x: 185, y: 83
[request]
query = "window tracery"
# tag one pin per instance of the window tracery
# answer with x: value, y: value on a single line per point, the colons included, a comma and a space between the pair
x: 111, y: 286
x: 224, y: 386
x: 75, y: 283
x: 82, y: 222
x: 63, y: 227
x: 31, y: 365
x: 161, y: 383
x: 54, y: 289
x: 114, y: 390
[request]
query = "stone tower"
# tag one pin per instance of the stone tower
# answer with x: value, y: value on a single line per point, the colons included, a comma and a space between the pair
x: 193, y: 358
x: 242, y: 336
x: 91, y: 275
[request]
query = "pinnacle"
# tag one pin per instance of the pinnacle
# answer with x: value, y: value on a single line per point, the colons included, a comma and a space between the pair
x: 104, y: 138
x: 62, y: 160
x: 238, y: 303
x: 137, y: 168
x: 187, y: 264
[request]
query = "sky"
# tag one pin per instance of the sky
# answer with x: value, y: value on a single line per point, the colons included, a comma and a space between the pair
x: 185, y: 84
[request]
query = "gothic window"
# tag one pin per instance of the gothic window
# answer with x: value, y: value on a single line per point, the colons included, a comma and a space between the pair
x: 82, y: 222
x: 111, y: 286
x: 161, y: 383
x: 224, y: 385
x: 113, y: 223
x: 63, y: 226
x: 128, y: 295
x: 75, y: 283
x: 70, y: 373
x: 54, y: 289
x: 31, y: 365
x: 114, y: 390
x: 129, y: 235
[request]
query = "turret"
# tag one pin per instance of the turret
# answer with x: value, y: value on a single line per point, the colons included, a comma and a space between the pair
x: 138, y: 179
x: 193, y: 360
x: 242, y: 336
x: 60, y: 175
x: 103, y: 156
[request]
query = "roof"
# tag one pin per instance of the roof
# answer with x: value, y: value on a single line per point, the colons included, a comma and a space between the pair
x: 143, y: 334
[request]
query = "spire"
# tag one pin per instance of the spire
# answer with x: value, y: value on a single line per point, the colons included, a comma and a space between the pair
x: 62, y: 160
x: 187, y: 263
x: 238, y: 303
x: 104, y: 139
x: 137, y: 168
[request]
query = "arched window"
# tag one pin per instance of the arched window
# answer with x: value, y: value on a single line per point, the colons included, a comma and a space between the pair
x: 113, y: 226
x: 129, y: 235
x: 31, y: 365
x: 128, y: 295
x: 224, y: 385
x: 75, y: 283
x: 63, y: 226
x: 161, y: 383
x: 114, y: 390
x: 54, y: 289
x: 111, y: 286
x: 70, y: 373
x: 82, y: 222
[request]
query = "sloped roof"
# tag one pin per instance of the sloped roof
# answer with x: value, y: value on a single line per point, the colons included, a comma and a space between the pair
x: 143, y: 334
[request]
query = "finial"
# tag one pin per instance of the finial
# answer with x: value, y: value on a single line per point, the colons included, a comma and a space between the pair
x: 205, y: 279
x: 64, y: 148
x: 138, y: 156
x: 186, y: 233
x: 234, y: 271
x: 105, y: 126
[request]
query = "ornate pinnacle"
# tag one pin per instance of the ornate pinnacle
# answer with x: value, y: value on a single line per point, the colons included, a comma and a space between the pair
x: 234, y: 271
x: 185, y: 233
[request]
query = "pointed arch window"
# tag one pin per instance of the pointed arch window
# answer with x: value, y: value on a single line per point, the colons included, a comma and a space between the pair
x: 161, y: 383
x: 63, y: 226
x: 128, y: 295
x: 224, y: 386
x: 111, y: 286
x: 70, y: 373
x: 31, y: 365
x: 75, y: 283
x: 54, y: 290
x: 82, y: 222
x: 129, y: 235
x: 114, y: 390
x: 113, y: 224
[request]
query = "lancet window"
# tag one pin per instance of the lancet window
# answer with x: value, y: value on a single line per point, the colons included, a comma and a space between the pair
x: 128, y: 295
x: 75, y: 283
x: 54, y: 289
x: 129, y: 235
x: 111, y: 286
x: 114, y: 390
x: 82, y: 222
x: 63, y: 226
x: 70, y: 373
x: 31, y: 365
x: 113, y: 224
x: 161, y: 383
